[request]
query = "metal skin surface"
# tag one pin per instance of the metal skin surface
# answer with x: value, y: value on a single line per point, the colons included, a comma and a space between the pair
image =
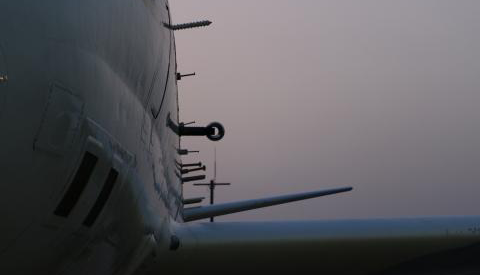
x: 3, y: 79
x: 91, y: 76
x: 82, y: 76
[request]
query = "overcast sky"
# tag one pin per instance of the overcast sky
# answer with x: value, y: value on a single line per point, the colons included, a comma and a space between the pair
x: 380, y: 95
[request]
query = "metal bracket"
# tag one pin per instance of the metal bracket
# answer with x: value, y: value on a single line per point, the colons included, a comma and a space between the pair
x: 213, y: 131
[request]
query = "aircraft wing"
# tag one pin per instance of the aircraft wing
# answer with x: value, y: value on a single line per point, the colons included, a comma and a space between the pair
x: 438, y: 245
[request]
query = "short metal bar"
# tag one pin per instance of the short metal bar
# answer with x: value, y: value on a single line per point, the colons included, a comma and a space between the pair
x: 186, y: 171
x: 198, y: 164
x: 208, y: 184
x: 183, y: 152
x: 188, y: 25
x: 193, y: 200
x: 194, y: 178
x: 180, y: 76
x: 195, y: 131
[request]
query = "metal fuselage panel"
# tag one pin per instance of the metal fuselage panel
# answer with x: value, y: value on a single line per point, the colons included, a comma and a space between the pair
x: 83, y: 77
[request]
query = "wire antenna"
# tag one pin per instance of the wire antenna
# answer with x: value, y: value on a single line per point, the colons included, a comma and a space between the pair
x: 214, y: 163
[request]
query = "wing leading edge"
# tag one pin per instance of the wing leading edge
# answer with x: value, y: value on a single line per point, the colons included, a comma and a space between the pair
x: 202, y: 212
x: 442, y: 245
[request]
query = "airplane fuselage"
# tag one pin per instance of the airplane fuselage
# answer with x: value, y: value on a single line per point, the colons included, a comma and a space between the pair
x: 88, y: 162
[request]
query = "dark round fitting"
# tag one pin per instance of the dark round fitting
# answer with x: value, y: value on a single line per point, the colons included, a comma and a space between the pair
x: 217, y: 129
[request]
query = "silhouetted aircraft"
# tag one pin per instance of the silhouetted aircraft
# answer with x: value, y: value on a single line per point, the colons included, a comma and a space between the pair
x: 92, y: 176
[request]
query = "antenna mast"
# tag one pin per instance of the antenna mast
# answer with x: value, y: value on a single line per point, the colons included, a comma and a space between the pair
x: 214, y: 163
x: 213, y: 183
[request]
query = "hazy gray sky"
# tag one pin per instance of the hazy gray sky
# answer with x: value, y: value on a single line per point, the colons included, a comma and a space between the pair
x: 380, y: 95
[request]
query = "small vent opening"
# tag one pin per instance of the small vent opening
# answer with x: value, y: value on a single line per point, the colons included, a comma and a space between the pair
x: 102, y: 198
x: 77, y: 186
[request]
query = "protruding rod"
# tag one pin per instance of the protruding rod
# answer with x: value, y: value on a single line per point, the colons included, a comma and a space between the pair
x: 193, y: 200
x: 190, y: 25
x: 208, y: 184
x: 184, y: 152
x: 180, y: 76
x: 194, y: 178
x: 198, y: 164
x: 186, y: 171
x: 213, y: 131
